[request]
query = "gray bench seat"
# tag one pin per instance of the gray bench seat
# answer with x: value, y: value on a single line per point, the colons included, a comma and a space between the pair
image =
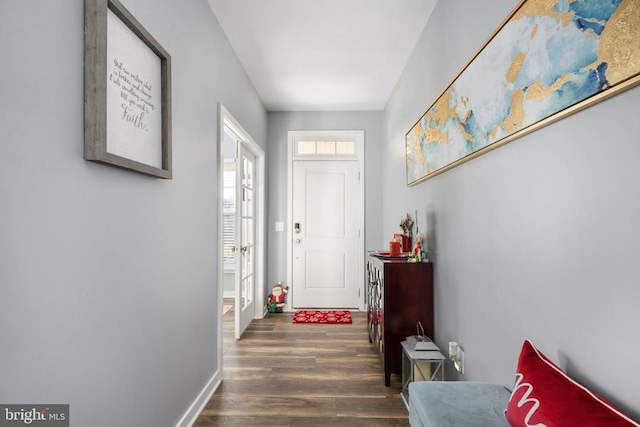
x: 457, y: 404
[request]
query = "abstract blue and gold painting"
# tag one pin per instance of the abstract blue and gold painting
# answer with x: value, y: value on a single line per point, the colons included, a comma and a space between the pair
x: 549, y: 58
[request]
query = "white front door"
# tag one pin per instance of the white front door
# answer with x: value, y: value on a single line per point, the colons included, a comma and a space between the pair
x: 245, y: 247
x: 325, y: 234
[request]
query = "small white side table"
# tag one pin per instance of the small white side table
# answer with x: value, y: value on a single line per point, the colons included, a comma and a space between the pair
x: 419, y: 365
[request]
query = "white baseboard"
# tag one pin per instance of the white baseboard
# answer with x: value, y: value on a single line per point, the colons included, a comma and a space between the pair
x: 192, y: 414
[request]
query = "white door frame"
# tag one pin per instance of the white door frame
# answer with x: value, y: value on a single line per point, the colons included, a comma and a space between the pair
x: 224, y: 117
x: 325, y: 135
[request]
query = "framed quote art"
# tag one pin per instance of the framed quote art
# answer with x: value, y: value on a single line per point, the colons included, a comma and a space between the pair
x: 127, y: 102
x: 548, y: 59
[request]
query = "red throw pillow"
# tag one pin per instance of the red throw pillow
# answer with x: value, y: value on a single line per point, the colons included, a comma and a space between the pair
x: 543, y: 395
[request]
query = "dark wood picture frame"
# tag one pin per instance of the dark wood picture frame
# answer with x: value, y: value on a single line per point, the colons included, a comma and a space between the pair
x: 95, y: 90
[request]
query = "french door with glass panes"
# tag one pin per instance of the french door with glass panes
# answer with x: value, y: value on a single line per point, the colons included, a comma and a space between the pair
x: 245, y: 236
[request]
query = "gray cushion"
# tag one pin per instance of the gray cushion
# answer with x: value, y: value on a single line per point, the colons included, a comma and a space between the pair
x: 457, y: 404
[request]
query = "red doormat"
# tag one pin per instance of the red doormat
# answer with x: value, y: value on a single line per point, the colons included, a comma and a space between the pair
x: 317, y: 316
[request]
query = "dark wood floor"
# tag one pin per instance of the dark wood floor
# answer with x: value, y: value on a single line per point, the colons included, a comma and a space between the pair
x: 285, y: 374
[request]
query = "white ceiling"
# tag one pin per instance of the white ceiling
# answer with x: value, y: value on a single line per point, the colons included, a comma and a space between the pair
x: 312, y: 55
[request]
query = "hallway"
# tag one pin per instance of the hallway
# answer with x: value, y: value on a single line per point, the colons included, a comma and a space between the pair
x: 288, y: 374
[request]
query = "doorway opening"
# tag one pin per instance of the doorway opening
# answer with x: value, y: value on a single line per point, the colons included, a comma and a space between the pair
x: 325, y: 238
x: 241, y: 173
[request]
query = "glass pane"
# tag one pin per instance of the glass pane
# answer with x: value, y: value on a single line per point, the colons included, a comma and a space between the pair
x: 306, y: 147
x: 246, y: 232
x: 345, y: 147
x: 326, y: 147
x: 244, y: 263
x: 247, y: 202
x: 247, y: 291
x: 250, y: 288
x: 247, y: 261
x: 247, y: 175
x: 243, y: 293
x: 247, y: 183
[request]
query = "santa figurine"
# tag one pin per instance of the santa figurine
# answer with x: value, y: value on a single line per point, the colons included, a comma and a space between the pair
x: 419, y: 254
x: 278, y: 294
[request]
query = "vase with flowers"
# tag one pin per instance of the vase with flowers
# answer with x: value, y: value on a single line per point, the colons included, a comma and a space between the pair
x: 406, y: 225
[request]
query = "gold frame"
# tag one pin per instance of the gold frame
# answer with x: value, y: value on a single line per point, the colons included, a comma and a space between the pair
x: 625, y: 84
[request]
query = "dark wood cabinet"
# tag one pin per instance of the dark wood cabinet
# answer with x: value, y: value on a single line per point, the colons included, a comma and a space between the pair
x: 399, y: 295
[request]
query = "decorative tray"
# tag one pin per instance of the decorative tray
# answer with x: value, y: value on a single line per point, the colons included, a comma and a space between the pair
x: 387, y: 255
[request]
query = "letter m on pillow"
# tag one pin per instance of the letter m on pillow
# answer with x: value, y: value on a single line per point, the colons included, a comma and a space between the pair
x: 525, y: 399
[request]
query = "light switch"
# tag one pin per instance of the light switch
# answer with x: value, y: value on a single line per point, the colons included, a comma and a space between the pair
x: 279, y: 226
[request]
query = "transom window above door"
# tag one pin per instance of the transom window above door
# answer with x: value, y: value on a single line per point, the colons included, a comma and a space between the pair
x: 325, y: 148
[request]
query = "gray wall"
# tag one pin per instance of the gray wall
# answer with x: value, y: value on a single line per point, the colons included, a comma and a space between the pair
x: 108, y: 278
x: 282, y: 122
x: 536, y: 239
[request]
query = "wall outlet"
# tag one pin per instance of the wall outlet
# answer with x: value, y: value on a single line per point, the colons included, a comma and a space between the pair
x: 456, y: 355
x: 459, y: 363
x: 279, y: 226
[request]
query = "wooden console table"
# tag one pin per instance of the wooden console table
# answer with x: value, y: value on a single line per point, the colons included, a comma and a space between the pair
x: 399, y: 295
